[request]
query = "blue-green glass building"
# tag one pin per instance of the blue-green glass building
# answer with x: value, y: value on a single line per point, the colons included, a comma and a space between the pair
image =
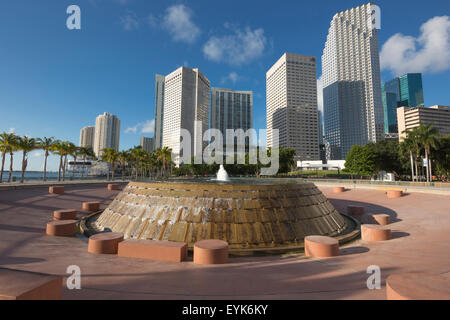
x: 404, y: 91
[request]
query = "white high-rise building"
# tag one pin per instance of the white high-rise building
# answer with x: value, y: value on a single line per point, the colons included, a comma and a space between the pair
x: 87, y: 135
x: 107, y: 133
x: 353, y: 110
x: 186, y: 99
x: 291, y: 93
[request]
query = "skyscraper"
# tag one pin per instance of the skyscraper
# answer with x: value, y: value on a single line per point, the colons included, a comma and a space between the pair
x: 291, y: 93
x: 353, y: 111
x: 404, y: 91
x: 107, y: 133
x: 147, y: 144
x: 159, y: 110
x: 231, y: 110
x: 186, y: 99
x: 87, y: 137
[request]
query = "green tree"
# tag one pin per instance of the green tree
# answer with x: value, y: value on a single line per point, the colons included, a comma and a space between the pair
x: 124, y: 158
x: 46, y: 144
x: 25, y: 144
x: 58, y: 149
x: 442, y: 156
x: 428, y: 137
x: 85, y: 153
x: 110, y: 155
x: 7, y: 142
x: 164, y: 156
x: 361, y: 161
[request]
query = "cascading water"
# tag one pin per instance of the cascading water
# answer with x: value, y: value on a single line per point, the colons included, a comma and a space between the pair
x: 222, y: 174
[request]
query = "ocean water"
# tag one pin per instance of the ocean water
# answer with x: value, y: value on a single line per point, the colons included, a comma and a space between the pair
x: 38, y: 175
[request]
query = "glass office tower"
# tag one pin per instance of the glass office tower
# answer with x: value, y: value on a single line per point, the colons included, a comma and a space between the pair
x: 404, y: 91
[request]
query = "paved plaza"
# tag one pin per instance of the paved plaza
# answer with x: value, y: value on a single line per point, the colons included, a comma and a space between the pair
x: 420, y: 242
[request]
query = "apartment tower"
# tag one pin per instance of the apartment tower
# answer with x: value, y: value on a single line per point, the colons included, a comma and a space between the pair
x: 291, y: 93
x: 186, y: 99
x: 353, y: 111
x: 107, y: 133
x: 87, y: 137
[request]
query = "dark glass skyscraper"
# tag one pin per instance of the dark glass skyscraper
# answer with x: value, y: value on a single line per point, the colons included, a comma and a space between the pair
x: 404, y: 91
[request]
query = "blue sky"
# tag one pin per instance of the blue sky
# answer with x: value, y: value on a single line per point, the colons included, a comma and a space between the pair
x: 54, y: 81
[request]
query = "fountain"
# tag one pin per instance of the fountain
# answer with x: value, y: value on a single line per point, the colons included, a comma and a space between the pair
x: 251, y: 215
x: 222, y: 175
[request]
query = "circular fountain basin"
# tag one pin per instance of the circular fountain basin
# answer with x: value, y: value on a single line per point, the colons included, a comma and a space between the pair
x: 251, y: 215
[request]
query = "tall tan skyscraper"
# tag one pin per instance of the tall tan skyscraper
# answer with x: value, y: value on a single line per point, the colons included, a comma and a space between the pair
x: 147, y: 144
x: 186, y: 99
x: 87, y: 137
x: 159, y: 110
x: 107, y: 133
x: 291, y: 93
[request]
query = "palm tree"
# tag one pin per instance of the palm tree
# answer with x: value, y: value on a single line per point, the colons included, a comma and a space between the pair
x: 123, y: 157
x: 164, y: 155
x: 58, y: 149
x: 25, y: 144
x: 85, y: 152
x: 7, y: 140
x: 408, y: 144
x: 11, y: 150
x: 428, y: 137
x: 68, y: 149
x: 46, y: 144
x: 110, y: 155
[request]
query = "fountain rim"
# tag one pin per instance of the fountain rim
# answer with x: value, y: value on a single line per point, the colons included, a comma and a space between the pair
x: 352, y: 233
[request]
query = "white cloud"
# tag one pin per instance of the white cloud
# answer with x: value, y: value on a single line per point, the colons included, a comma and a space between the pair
x: 144, y: 127
x: 129, y: 21
x: 178, y: 22
x: 238, y: 48
x: 320, y: 94
x: 430, y: 52
x: 148, y: 126
x: 12, y: 130
x: 233, y: 77
x: 132, y: 129
x: 38, y: 154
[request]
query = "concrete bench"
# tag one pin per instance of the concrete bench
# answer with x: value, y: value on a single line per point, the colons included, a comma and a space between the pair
x: 210, y: 252
x: 113, y: 186
x: 66, y: 214
x: 417, y: 286
x: 393, y: 194
x: 338, y: 189
x: 56, y: 189
x: 375, y: 232
x: 62, y: 228
x: 105, y: 243
x: 321, y: 246
x: 377, y: 218
x: 91, y: 206
x: 153, y: 249
x: 356, y: 211
x: 23, y: 285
